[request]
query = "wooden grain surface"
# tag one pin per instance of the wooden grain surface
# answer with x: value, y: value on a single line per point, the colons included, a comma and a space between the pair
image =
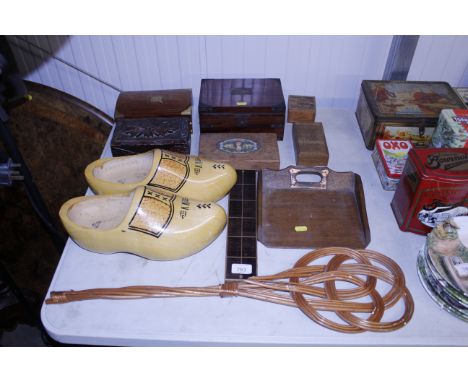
x: 265, y: 157
x: 301, y: 109
x: 154, y: 103
x: 308, y: 216
x: 310, y: 144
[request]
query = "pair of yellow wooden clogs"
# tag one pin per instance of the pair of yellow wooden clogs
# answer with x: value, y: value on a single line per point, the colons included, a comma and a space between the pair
x: 159, y: 205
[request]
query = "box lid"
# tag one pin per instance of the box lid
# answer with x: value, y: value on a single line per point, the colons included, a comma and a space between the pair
x: 261, y: 95
x: 154, y: 103
x: 446, y: 164
x: 245, y: 151
x: 410, y: 100
x: 393, y: 154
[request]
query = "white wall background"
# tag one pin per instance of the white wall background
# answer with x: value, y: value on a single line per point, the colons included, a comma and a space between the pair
x: 329, y: 67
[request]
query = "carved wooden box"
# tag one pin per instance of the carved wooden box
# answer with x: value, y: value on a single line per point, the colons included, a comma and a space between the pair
x: 242, y: 106
x: 138, y: 135
x: 145, y: 120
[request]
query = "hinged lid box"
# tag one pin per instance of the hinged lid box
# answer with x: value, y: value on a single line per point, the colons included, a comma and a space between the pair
x: 143, y: 121
x: 242, y: 105
x: 432, y: 188
x: 138, y: 135
x: 403, y: 109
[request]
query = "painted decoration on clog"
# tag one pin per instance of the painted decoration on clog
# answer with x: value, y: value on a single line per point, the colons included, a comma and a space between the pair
x: 154, y: 213
x: 171, y: 173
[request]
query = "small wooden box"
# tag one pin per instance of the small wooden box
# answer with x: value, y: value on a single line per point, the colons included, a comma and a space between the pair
x: 293, y: 213
x: 155, y: 103
x: 310, y: 145
x: 145, y: 120
x: 138, y: 135
x: 242, y: 151
x: 432, y: 189
x: 403, y: 110
x: 301, y: 109
x: 242, y: 106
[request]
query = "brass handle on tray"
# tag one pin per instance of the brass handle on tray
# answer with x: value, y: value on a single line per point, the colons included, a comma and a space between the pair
x: 321, y: 172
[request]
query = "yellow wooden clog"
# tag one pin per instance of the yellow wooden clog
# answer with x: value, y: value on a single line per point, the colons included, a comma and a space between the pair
x: 164, y: 171
x: 147, y: 223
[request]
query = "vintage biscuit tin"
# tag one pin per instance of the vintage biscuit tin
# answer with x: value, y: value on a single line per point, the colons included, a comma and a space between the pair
x: 403, y: 109
x: 432, y: 189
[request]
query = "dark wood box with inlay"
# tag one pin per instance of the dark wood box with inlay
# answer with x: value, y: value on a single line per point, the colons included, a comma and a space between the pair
x: 145, y: 120
x: 138, y: 135
x: 242, y: 106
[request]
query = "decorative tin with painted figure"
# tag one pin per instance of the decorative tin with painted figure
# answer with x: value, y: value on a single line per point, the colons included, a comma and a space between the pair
x: 389, y: 158
x: 452, y: 129
x: 463, y: 93
x: 403, y: 109
x: 432, y: 189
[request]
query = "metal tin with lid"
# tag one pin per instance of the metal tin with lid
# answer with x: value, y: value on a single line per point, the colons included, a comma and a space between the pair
x: 389, y: 157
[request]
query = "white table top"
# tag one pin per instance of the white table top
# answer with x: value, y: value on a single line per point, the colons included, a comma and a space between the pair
x: 241, y: 321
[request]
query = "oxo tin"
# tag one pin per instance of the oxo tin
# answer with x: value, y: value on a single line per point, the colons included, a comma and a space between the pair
x: 389, y: 157
x: 432, y: 189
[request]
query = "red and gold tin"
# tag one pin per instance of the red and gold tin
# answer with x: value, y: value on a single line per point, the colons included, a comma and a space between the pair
x: 432, y: 189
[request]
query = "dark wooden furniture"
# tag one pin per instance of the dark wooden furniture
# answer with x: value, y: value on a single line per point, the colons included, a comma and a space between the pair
x: 310, y: 144
x: 406, y: 110
x: 242, y: 105
x: 301, y: 109
x: 245, y: 151
x: 58, y: 136
x: 298, y: 213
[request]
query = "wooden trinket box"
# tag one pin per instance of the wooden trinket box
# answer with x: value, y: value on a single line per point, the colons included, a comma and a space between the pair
x: 432, y: 189
x: 301, y: 109
x: 403, y: 110
x: 138, y: 135
x: 310, y: 144
x: 143, y: 121
x: 242, y: 151
x: 242, y: 106
x: 298, y: 213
